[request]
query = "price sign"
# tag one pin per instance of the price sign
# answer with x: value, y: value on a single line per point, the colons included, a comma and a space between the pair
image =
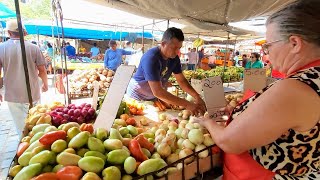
x: 254, y: 79
x: 113, y: 99
x: 214, y: 96
x: 197, y: 85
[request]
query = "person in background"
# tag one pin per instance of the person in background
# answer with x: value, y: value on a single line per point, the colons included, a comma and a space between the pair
x: 236, y: 59
x: 113, y: 56
x: 275, y: 133
x: 254, y: 62
x: 201, y: 54
x: 193, y: 59
x: 244, y: 60
x: 70, y: 50
x: 50, y: 54
x: 14, y: 77
x: 94, y: 50
x: 149, y: 83
x: 128, y: 48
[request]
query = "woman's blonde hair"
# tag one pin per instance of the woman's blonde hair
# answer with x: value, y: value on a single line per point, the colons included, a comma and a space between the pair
x: 301, y: 18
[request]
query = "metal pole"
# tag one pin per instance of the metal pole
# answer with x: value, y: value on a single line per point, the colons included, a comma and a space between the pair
x: 120, y: 37
x: 168, y: 23
x: 153, y: 22
x: 143, y: 38
x: 23, y: 53
x: 53, y: 61
x: 225, y: 57
x: 38, y: 38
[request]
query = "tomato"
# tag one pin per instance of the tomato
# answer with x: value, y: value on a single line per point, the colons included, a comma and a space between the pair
x: 70, y: 173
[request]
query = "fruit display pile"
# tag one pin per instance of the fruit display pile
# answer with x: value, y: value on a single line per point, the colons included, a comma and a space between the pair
x: 82, y: 81
x: 234, y: 99
x: 231, y: 74
x: 72, y: 151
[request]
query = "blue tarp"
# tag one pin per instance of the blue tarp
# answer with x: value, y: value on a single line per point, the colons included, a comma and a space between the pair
x: 5, y: 12
x: 76, y: 33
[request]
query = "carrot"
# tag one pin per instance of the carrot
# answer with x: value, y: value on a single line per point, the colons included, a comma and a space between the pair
x: 136, y: 151
x: 46, y: 176
x: 22, y: 147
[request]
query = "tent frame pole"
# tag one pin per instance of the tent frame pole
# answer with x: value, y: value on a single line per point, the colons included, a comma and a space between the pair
x: 23, y: 53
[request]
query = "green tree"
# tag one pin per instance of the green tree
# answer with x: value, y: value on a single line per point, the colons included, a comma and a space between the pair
x: 35, y: 9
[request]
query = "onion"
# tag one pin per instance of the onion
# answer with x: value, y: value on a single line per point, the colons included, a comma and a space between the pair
x: 180, y: 143
x: 184, y: 133
x: 178, y: 132
x: 160, y: 132
x: 189, y: 126
x: 196, y: 136
x: 172, y: 158
x: 208, y: 141
x: 184, y: 153
x: 203, y: 154
x: 188, y: 144
x: 164, y: 150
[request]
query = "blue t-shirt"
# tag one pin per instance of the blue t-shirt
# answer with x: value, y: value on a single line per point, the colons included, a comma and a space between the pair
x: 113, y: 59
x: 94, y: 51
x: 152, y: 67
x: 71, y: 51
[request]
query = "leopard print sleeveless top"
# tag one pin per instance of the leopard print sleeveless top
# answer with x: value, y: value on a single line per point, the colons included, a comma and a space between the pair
x: 294, y: 155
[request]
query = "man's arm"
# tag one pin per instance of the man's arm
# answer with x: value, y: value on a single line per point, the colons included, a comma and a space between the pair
x: 185, y: 86
x: 106, y: 59
x: 167, y: 97
x: 43, y: 75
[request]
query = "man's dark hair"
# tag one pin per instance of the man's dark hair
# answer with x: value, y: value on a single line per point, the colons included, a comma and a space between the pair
x: 237, y: 53
x: 94, y: 44
x: 49, y: 45
x: 171, y: 33
x: 68, y: 43
x: 128, y: 43
x: 112, y: 42
x: 244, y: 55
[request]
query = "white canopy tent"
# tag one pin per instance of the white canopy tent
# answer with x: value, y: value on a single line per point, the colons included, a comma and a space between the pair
x: 201, y: 17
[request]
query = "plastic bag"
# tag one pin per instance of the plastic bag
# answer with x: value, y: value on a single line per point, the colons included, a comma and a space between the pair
x: 135, y: 59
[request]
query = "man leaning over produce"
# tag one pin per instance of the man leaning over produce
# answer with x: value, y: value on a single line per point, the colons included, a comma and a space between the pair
x: 156, y: 66
x: 14, y: 76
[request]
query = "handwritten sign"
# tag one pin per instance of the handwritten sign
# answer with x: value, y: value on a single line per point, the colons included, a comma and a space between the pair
x: 270, y: 80
x: 214, y: 96
x: 197, y: 85
x: 254, y: 79
x: 113, y: 99
x: 95, y: 94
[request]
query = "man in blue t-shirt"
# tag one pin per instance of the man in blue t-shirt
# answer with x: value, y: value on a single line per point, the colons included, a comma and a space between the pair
x: 70, y: 50
x: 155, y: 68
x: 94, y: 50
x: 113, y: 56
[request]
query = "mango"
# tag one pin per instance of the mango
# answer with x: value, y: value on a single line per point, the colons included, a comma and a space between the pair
x: 53, y: 158
x: 96, y: 154
x: 124, y: 131
x: 118, y: 156
x: 25, y: 158
x: 36, y: 137
x: 132, y: 130
x: 130, y: 165
x: 57, y: 168
x: 28, y: 172
x: 70, y: 150
x: 95, y: 144
x: 146, y: 152
x: 61, y: 126
x: 128, y: 136
x: 72, y: 132
x: 43, y: 158
x: 126, y: 177
x: 58, y: 146
x: 69, y: 125
x: 47, y: 168
x: 50, y: 129
x: 101, y: 134
x: 150, y: 165
x: 114, y: 134
x: 120, y: 122
x: 33, y: 146
x: 149, y: 135
x: 81, y: 152
x: 15, y: 169
x: 111, y: 173
x: 90, y: 176
x: 68, y: 159
x: 39, y: 128
x: 112, y: 144
x: 155, y: 156
x: 79, y: 140
x: 91, y: 164
x: 37, y: 150
x: 26, y: 139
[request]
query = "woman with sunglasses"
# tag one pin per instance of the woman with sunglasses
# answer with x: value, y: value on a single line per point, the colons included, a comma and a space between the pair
x: 254, y: 62
x: 275, y: 133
